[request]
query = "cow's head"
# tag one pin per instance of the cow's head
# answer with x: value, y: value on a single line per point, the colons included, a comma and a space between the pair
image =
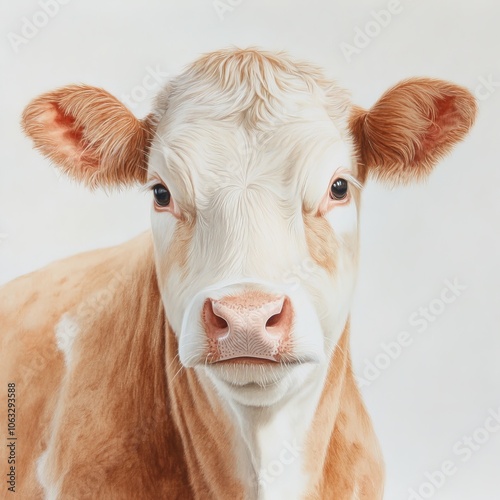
x: 256, y: 166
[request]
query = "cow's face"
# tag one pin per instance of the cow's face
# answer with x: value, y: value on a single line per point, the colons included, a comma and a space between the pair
x: 255, y: 228
x: 256, y: 166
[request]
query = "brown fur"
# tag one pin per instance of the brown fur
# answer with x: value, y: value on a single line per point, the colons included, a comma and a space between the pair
x: 321, y: 241
x: 411, y: 127
x: 178, y: 251
x: 343, y: 453
x: 91, y: 135
x: 128, y: 420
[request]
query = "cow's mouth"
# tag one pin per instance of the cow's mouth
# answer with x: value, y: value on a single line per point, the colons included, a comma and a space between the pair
x: 257, y: 381
x: 246, y: 360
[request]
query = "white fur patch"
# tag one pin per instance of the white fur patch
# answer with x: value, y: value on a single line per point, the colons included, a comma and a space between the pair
x: 356, y: 492
x: 50, y: 491
x: 344, y: 219
x: 281, y: 446
x: 274, y: 440
x: 66, y: 331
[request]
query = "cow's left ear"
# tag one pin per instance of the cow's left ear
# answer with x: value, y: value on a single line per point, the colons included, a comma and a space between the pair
x: 411, y: 128
x: 91, y: 135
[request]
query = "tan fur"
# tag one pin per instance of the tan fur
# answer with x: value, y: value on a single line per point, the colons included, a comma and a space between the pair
x: 91, y: 135
x: 119, y: 428
x: 411, y: 127
x: 320, y: 241
x: 33, y: 361
x: 207, y: 433
x: 343, y: 453
x: 178, y: 251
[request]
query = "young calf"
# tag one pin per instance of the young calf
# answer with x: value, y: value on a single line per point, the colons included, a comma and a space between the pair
x: 186, y: 363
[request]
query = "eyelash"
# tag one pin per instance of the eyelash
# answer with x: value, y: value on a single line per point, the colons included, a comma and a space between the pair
x: 352, y: 181
x: 151, y: 184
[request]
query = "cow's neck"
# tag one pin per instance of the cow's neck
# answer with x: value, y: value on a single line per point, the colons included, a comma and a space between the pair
x: 248, y: 452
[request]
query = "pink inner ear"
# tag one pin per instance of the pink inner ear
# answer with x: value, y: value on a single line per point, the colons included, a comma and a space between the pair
x: 411, y: 128
x: 445, y: 118
x: 90, y: 134
x: 70, y: 132
x: 60, y: 137
x: 69, y: 136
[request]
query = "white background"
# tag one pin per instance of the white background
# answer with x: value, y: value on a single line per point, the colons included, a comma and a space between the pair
x: 413, y: 239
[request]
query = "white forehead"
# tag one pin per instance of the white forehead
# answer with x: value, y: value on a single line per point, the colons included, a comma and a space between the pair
x: 297, y: 160
x: 244, y: 119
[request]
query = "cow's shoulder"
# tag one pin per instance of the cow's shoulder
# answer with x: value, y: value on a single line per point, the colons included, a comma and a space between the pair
x: 41, y: 315
x: 38, y: 305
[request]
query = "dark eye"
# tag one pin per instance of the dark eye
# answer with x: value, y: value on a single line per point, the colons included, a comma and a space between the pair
x: 338, y: 191
x: 162, y: 195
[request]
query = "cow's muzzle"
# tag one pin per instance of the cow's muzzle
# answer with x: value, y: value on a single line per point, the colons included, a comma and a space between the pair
x: 248, y: 327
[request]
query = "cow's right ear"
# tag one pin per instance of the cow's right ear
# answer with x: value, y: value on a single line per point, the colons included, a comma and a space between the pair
x: 90, y: 135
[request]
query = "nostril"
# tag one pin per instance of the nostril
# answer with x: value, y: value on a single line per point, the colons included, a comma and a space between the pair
x: 282, y: 320
x: 273, y: 320
x: 219, y: 322
x: 211, y: 318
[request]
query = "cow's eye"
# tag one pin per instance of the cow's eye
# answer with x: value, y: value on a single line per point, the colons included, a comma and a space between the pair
x: 162, y: 195
x: 339, y: 188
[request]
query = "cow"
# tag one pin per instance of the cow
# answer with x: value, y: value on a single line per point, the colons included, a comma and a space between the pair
x: 208, y: 358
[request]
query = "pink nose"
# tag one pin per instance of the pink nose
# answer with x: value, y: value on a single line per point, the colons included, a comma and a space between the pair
x: 254, y: 325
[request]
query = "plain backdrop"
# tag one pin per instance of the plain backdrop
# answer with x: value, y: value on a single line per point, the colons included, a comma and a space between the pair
x: 438, y: 389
